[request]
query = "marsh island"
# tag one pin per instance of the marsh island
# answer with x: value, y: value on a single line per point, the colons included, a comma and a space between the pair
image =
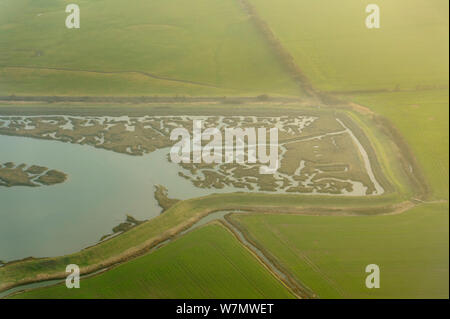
x: 24, y: 175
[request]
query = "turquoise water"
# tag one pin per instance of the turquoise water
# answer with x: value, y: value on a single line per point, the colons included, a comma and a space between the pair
x: 102, y: 187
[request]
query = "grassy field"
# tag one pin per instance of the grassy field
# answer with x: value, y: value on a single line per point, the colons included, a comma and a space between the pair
x: 330, y: 42
x: 136, y: 47
x: 207, y: 263
x: 329, y: 253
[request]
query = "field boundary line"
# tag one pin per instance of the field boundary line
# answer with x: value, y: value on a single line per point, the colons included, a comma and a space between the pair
x: 296, y: 289
x: 147, y: 74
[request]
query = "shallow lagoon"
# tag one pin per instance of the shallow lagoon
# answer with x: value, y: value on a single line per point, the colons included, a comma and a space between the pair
x: 102, y: 187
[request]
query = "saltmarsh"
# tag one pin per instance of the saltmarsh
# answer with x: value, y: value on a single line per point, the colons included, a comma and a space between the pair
x: 29, y: 175
x: 310, y: 144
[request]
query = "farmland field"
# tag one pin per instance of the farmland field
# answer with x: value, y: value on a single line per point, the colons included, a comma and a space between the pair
x: 329, y: 253
x: 207, y: 263
x: 330, y: 43
x: 136, y: 47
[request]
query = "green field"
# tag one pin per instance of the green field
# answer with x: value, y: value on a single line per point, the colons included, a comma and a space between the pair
x: 331, y: 44
x: 329, y: 253
x: 205, y: 48
x: 207, y: 263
